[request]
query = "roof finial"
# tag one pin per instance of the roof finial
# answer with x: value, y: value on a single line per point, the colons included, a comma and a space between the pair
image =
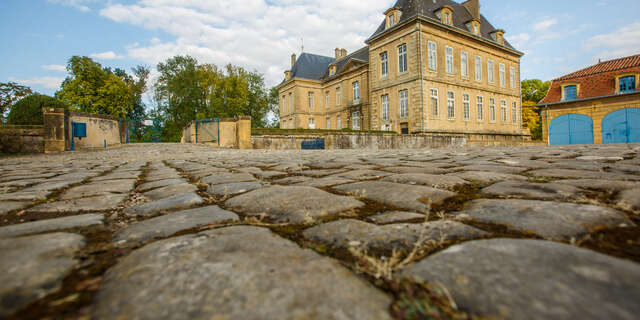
x: 302, y: 45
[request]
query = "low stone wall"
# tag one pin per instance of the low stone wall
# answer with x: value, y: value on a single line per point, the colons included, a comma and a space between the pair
x: 387, y: 141
x: 101, y: 130
x: 233, y: 133
x: 21, y: 140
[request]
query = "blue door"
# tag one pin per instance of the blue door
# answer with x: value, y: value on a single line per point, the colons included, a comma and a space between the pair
x: 621, y: 126
x: 571, y: 129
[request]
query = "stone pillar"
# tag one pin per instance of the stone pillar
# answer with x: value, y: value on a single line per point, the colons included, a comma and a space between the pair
x: 243, y: 133
x: 54, y: 130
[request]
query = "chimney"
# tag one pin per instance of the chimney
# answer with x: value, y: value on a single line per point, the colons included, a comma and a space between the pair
x: 293, y: 60
x: 343, y: 52
x: 338, y: 53
x: 474, y: 8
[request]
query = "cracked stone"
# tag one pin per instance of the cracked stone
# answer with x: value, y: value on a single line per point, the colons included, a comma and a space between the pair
x: 168, y: 191
x: 234, y: 273
x: 27, y: 228
x: 292, y: 204
x: 159, y: 184
x: 362, y: 174
x: 324, y: 182
x: 99, y: 188
x: 223, y: 178
x: 181, y: 201
x: 612, y: 185
x: 430, y: 180
x: 231, y: 189
x: 397, y: 216
x: 25, y: 196
x: 542, y: 191
x: 629, y: 199
x: 8, y: 206
x: 486, y: 177
x: 100, y: 203
x: 525, y: 279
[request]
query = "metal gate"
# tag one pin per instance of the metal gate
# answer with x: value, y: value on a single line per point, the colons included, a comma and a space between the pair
x: 621, y: 126
x: 208, y: 131
x: 140, y: 131
x: 571, y: 129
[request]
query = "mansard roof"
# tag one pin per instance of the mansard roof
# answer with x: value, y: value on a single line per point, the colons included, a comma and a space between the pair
x: 428, y: 8
x: 360, y: 55
x: 310, y: 66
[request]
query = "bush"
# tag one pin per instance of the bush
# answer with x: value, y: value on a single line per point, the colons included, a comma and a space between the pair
x: 28, y: 111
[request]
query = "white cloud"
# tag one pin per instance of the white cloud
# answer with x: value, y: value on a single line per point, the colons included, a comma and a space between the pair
x: 54, y: 67
x: 622, y: 42
x: 109, y: 55
x: 544, y: 25
x: 79, y: 4
x: 256, y: 34
x: 519, y: 40
x: 46, y: 82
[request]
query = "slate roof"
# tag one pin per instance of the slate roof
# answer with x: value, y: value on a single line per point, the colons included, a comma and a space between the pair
x: 360, y: 55
x: 595, y: 81
x: 428, y: 8
x: 310, y: 66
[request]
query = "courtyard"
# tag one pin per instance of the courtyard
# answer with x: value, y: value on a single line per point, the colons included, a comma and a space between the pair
x: 179, y: 231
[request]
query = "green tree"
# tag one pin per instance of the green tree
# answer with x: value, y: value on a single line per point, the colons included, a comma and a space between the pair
x: 534, y: 90
x: 11, y: 92
x: 28, y: 110
x: 90, y: 88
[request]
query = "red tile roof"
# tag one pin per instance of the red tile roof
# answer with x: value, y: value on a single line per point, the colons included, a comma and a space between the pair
x: 595, y: 81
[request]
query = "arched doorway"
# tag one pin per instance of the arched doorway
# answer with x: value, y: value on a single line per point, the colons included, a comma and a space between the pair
x: 621, y: 126
x: 571, y: 129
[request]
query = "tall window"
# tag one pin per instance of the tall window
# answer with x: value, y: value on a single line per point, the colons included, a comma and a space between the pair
x: 433, y: 56
x: 404, y: 103
x: 570, y: 93
x: 480, y: 104
x: 434, y: 102
x: 451, y: 105
x: 356, y: 91
x: 465, y: 107
x: 514, y: 112
x: 492, y: 109
x: 503, y: 110
x: 338, y: 96
x: 490, y: 71
x: 502, y: 78
x: 447, y: 18
x: 464, y: 64
x: 291, y: 107
x: 355, y: 119
x: 338, y: 123
x: 402, y: 58
x: 311, y: 100
x: 284, y: 104
x: 327, y: 99
x: 328, y: 123
x: 291, y: 124
x: 392, y: 20
x: 312, y: 123
x: 384, y: 64
x: 385, y: 107
x: 284, y: 124
x: 449, y: 53
x: 627, y: 84
x: 512, y: 77
x: 478, y: 68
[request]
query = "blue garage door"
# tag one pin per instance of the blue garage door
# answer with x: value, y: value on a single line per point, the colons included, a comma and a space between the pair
x: 621, y: 126
x: 571, y: 129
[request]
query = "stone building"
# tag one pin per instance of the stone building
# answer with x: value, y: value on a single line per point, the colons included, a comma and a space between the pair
x: 432, y: 66
x: 599, y: 104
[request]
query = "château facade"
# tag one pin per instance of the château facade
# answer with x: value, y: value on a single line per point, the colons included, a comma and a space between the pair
x: 432, y: 66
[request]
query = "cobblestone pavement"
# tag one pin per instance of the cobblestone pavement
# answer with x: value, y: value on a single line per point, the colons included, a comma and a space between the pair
x: 170, y: 231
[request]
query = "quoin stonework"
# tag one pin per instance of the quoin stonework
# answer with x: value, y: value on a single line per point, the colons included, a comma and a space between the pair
x: 432, y: 66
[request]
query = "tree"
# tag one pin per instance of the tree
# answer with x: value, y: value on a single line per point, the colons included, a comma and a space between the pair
x: 11, y: 92
x: 28, y: 111
x: 534, y: 90
x: 90, y: 88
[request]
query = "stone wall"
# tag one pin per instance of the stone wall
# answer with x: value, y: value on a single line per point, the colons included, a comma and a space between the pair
x: 234, y: 133
x: 101, y: 130
x: 21, y: 140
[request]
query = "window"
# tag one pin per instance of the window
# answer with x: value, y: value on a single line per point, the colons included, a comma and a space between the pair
x: 312, y: 123
x: 627, y: 84
x: 385, y: 107
x: 311, y: 100
x: 355, y: 117
x: 284, y: 104
x: 451, y: 105
x: 402, y: 58
x: 284, y: 124
x: 404, y: 103
x: 433, y: 56
x: 328, y: 123
x: 512, y: 77
x: 475, y: 29
x: 501, y: 74
x: 514, y: 113
x: 327, y: 99
x: 480, y: 104
x: 384, y: 64
x: 449, y: 52
x: 464, y: 69
x: 338, y: 123
x: 465, y: 107
x: 291, y: 107
x: 291, y: 124
x: 356, y: 92
x: 392, y: 20
x: 338, y: 96
x: 490, y: 71
x: 503, y: 110
x: 447, y: 17
x: 570, y: 92
x: 332, y: 70
x: 478, y: 68
x: 434, y: 102
x: 492, y: 109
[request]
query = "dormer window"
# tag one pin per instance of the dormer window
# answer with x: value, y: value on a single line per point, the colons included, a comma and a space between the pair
x: 445, y: 14
x: 498, y: 36
x: 392, y: 20
x: 332, y: 70
x: 476, y: 29
x: 569, y: 92
x: 393, y: 16
x: 447, y: 18
x: 627, y: 84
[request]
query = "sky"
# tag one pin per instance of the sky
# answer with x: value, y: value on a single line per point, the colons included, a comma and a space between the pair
x: 39, y: 36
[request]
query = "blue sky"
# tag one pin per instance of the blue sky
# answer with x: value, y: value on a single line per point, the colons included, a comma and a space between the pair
x: 39, y: 36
